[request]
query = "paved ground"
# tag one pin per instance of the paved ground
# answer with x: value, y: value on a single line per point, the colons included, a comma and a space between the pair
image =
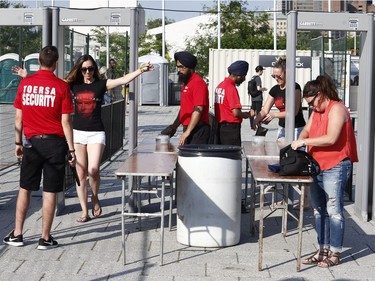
x: 92, y: 251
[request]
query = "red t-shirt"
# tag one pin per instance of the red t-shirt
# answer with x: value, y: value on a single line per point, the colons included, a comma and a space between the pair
x: 345, y: 146
x: 226, y: 99
x: 194, y: 93
x: 43, y: 98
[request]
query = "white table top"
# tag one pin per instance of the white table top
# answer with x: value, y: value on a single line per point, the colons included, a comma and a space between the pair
x: 148, y: 164
x: 150, y: 145
x: 266, y: 150
x: 261, y: 173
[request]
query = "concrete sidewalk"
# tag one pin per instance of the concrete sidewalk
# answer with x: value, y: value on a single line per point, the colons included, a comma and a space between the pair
x: 92, y: 250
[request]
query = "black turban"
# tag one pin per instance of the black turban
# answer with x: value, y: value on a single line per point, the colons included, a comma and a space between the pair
x: 186, y: 59
x: 239, y: 68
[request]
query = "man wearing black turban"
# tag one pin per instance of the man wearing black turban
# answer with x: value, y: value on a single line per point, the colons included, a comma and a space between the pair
x: 194, y: 104
x: 228, y: 113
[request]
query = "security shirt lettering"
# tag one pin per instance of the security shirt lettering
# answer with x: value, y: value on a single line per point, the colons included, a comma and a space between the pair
x: 38, y: 96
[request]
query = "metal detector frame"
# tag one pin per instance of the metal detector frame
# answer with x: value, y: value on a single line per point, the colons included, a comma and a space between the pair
x: 363, y: 23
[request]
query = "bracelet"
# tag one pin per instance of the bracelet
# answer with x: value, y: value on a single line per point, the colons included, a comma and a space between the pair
x: 18, y: 143
x: 71, y: 151
x: 143, y: 68
x: 303, y: 143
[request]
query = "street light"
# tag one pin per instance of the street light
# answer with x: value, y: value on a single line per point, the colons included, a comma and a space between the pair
x: 218, y: 25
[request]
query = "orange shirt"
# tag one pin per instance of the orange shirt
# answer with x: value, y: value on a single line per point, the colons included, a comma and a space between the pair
x: 345, y: 146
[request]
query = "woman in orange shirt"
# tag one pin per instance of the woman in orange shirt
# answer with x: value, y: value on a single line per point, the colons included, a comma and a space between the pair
x: 330, y: 139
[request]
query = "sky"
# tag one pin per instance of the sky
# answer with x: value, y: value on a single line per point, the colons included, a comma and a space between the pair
x: 186, y: 9
x: 174, y: 9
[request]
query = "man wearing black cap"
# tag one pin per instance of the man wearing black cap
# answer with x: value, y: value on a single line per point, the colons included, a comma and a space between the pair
x: 257, y: 97
x: 193, y: 114
x: 228, y: 107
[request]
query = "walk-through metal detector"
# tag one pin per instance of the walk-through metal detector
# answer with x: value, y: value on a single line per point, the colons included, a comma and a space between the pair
x: 363, y: 23
x: 53, y: 19
x: 28, y: 17
x: 127, y: 17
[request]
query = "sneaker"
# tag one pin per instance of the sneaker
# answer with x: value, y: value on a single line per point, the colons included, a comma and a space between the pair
x: 47, y: 244
x: 12, y: 240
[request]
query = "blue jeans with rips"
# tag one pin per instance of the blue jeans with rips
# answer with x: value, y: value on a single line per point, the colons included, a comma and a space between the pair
x: 327, y: 200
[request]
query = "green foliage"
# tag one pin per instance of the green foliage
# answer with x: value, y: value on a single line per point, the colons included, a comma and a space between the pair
x: 23, y: 40
x: 153, y: 43
x: 240, y: 29
x: 116, y: 47
x: 147, y: 44
x: 304, y: 39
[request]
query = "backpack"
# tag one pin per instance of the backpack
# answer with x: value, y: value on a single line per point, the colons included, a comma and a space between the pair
x: 252, y: 88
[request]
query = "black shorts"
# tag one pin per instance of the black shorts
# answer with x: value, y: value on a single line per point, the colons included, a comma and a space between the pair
x: 47, y: 156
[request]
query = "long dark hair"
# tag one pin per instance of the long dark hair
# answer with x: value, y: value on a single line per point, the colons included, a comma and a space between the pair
x: 75, y: 75
x: 323, y: 85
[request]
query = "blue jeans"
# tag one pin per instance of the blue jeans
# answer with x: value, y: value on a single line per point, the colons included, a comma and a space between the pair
x: 327, y: 200
x: 281, y: 133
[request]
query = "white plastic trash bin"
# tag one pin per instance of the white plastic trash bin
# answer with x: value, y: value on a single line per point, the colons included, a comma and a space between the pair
x: 209, y: 179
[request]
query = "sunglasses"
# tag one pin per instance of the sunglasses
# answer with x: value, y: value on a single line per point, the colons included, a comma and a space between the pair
x: 89, y: 69
x: 276, y: 76
x: 311, y: 103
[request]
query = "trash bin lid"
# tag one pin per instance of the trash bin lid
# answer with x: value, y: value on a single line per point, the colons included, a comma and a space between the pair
x: 210, y: 150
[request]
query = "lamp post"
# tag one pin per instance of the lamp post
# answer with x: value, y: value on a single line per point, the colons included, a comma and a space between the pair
x: 274, y: 26
x: 329, y: 32
x: 107, y: 42
x: 163, y: 28
x: 218, y: 25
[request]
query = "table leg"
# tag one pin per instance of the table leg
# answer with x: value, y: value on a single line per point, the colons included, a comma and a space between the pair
x: 246, y: 181
x: 162, y: 220
x: 252, y: 207
x: 123, y: 201
x: 138, y: 196
x: 300, y: 226
x: 170, y: 201
x: 261, y: 201
x: 284, y: 223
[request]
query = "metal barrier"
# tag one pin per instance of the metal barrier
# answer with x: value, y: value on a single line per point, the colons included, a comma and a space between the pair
x: 113, y: 116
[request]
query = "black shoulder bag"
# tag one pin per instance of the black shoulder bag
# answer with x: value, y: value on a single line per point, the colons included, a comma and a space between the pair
x: 297, y: 163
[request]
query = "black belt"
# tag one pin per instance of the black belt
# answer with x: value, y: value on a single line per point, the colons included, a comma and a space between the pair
x: 46, y: 137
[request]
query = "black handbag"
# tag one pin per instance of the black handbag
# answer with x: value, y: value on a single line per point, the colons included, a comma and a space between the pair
x: 297, y: 163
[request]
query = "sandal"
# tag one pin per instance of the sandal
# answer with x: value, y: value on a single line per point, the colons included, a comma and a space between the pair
x: 313, y: 260
x: 83, y: 219
x: 96, y: 212
x: 328, y: 262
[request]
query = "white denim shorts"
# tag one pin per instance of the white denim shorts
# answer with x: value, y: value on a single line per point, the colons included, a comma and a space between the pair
x: 88, y: 137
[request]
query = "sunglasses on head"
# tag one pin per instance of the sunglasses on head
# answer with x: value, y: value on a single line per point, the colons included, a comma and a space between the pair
x: 89, y: 69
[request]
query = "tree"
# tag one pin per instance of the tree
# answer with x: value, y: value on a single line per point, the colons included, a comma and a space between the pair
x: 147, y: 44
x: 240, y: 29
x: 153, y: 43
x: 22, y: 40
x: 116, y: 47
